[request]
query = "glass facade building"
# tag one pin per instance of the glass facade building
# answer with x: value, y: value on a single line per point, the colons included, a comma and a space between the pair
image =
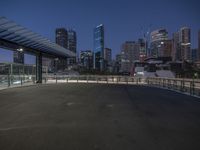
x: 185, y: 39
x: 72, y: 40
x: 199, y: 45
x: 62, y: 37
x: 158, y: 37
x: 99, y: 47
x: 176, y: 51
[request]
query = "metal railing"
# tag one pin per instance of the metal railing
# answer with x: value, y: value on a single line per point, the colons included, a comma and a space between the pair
x: 189, y: 86
x: 93, y: 79
x: 7, y: 81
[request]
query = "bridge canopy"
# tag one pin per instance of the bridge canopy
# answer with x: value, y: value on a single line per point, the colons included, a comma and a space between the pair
x: 12, y: 32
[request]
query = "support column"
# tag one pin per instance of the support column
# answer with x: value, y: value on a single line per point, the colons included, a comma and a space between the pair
x: 39, y: 68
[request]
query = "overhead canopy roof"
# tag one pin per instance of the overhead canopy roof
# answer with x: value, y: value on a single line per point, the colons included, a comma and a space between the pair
x: 15, y: 33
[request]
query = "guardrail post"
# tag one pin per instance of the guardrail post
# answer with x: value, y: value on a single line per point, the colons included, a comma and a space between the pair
x: 33, y: 80
x: 193, y: 87
x: 56, y: 79
x: 190, y: 88
x: 8, y: 80
x: 168, y: 83
x: 174, y: 87
x: 21, y: 80
x: 181, y: 89
x: 182, y: 85
x: 163, y: 80
x: 147, y: 81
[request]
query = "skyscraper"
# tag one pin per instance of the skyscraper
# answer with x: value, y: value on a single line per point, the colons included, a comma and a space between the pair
x: 199, y: 45
x: 99, y: 47
x: 107, y: 58
x: 142, y: 49
x: 62, y: 40
x: 176, y: 53
x: 185, y: 43
x: 159, y: 35
x: 62, y: 37
x: 194, y: 54
x: 165, y: 49
x: 108, y: 55
x: 72, y: 41
x: 129, y: 54
x: 157, y: 38
x: 117, y: 65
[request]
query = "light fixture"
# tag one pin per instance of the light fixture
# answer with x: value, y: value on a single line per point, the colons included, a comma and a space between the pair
x: 20, y: 49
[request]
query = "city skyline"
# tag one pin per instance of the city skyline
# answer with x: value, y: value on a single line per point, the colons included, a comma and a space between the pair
x: 123, y: 20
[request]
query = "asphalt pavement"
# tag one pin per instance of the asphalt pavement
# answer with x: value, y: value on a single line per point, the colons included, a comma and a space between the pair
x: 98, y: 117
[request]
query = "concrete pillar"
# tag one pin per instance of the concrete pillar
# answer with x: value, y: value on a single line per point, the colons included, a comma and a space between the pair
x: 39, y: 68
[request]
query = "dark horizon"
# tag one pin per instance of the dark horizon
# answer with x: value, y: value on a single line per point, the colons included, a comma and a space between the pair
x: 124, y: 21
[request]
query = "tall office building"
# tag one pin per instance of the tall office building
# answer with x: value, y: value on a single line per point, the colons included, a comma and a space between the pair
x: 107, y: 59
x: 142, y: 49
x: 18, y: 57
x: 72, y: 42
x: 129, y: 54
x: 199, y: 45
x: 185, y: 43
x: 165, y: 49
x: 62, y: 37
x: 117, y: 65
x: 86, y: 59
x: 99, y: 47
x: 157, y: 38
x: 194, y: 54
x: 159, y: 35
x: 62, y: 40
x: 108, y: 55
x: 176, y: 51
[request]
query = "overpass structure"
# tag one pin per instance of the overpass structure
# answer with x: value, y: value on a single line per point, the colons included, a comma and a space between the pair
x: 18, y: 38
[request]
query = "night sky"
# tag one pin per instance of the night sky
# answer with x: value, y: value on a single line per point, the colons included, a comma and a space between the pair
x: 123, y: 19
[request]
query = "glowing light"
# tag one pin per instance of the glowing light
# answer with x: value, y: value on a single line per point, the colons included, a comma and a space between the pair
x: 20, y: 49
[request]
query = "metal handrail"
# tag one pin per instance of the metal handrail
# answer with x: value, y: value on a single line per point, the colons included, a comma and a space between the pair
x: 190, y: 86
